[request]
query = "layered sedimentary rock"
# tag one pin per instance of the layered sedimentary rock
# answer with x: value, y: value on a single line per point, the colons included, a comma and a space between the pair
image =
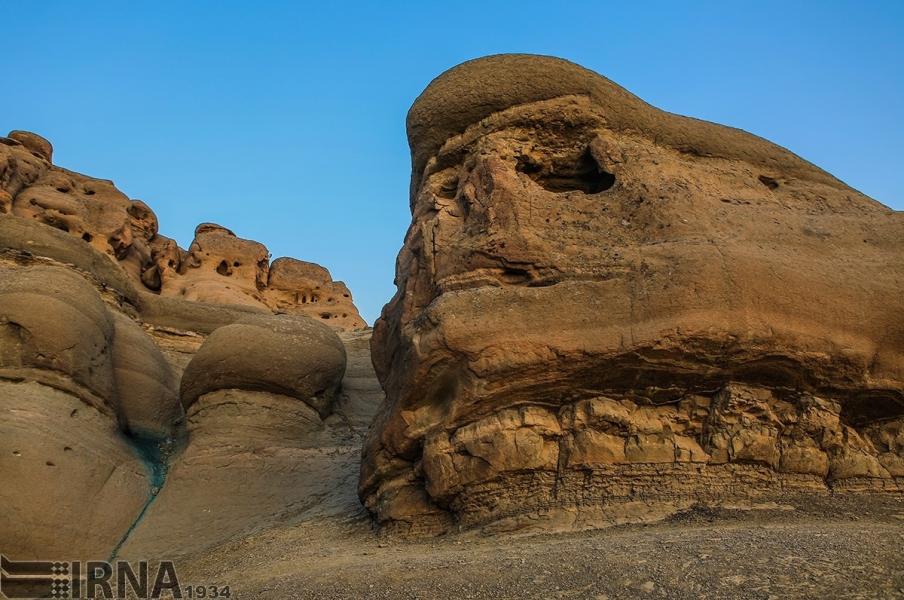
x: 262, y: 455
x: 107, y: 384
x: 606, y: 310
x: 74, y: 375
x: 218, y: 267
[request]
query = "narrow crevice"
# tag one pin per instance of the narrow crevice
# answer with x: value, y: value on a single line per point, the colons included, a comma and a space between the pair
x: 154, y: 455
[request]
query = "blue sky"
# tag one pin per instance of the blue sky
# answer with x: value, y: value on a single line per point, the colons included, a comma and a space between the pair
x: 285, y: 121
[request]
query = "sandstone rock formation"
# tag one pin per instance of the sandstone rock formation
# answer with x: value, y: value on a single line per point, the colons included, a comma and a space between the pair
x: 605, y: 311
x: 218, y: 267
x: 69, y: 369
x: 110, y: 378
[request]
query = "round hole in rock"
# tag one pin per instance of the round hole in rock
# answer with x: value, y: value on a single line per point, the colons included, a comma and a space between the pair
x: 324, y: 315
x: 87, y: 236
x: 223, y: 269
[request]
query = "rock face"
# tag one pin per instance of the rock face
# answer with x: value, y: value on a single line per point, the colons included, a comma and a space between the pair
x: 606, y: 310
x: 218, y: 267
x: 72, y: 372
x: 123, y: 357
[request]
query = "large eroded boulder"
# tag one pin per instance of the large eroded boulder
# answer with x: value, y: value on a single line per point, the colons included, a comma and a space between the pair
x: 602, y: 306
x: 292, y: 356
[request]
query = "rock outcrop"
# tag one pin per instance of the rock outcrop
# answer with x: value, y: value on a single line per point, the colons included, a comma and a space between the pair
x: 218, y: 267
x: 605, y: 311
x: 69, y: 371
x: 123, y: 358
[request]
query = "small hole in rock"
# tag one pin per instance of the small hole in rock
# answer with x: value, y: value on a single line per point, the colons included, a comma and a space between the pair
x: 223, y: 268
x: 324, y: 315
x: 528, y: 166
x: 449, y: 188
x: 74, y: 412
x: 87, y: 236
x: 49, y: 464
x: 236, y: 264
x: 866, y: 409
x: 67, y: 449
x: 16, y: 453
x: 581, y: 175
x: 769, y: 182
x: 63, y: 189
x: 89, y: 192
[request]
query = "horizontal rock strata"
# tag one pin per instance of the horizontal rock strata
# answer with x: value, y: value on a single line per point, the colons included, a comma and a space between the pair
x: 604, y: 305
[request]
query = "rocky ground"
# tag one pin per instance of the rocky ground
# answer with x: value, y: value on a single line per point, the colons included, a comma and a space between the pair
x: 836, y: 548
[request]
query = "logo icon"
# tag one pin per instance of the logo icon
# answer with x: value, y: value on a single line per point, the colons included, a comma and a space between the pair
x: 36, y: 579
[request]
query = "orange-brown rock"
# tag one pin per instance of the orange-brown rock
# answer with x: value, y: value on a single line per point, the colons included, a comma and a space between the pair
x: 603, y: 305
x: 107, y: 329
x: 219, y: 267
x: 296, y: 286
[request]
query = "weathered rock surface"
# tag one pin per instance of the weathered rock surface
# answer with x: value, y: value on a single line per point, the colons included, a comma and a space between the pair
x: 604, y: 308
x: 218, y: 267
x: 96, y: 366
x: 260, y: 460
x: 295, y: 357
x: 71, y: 482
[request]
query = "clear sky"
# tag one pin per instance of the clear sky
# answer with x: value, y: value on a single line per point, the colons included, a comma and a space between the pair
x: 285, y: 121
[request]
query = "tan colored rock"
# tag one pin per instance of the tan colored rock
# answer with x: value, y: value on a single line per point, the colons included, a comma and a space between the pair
x: 218, y: 268
x: 703, y: 314
x: 103, y: 322
x: 72, y: 483
x: 55, y: 327
x: 292, y: 356
x: 221, y: 268
x: 147, y: 389
x: 259, y: 461
x: 300, y: 287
